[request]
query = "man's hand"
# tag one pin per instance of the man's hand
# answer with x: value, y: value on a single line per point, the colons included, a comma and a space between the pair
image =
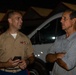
x: 22, y: 64
x: 10, y: 63
x: 60, y: 55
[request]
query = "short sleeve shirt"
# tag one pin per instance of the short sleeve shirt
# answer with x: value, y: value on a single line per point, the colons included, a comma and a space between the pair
x: 68, y: 45
x: 10, y: 47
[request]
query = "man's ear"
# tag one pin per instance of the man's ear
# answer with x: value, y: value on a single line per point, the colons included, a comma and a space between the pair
x: 9, y: 20
x: 74, y: 20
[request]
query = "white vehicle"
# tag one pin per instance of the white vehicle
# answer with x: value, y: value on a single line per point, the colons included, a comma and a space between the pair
x: 42, y: 39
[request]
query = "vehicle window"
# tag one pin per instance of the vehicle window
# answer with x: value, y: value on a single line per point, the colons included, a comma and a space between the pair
x: 48, y: 33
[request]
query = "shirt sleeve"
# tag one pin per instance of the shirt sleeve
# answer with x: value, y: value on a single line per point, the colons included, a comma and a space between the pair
x: 70, y: 56
x: 30, y: 48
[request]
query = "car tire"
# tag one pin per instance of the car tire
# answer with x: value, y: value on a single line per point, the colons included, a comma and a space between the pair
x: 38, y: 68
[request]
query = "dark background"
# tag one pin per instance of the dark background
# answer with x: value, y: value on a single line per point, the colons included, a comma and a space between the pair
x: 24, y: 5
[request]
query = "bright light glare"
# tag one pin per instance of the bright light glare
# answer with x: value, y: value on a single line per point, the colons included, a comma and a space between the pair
x: 38, y: 55
x: 41, y: 52
x: 53, y: 38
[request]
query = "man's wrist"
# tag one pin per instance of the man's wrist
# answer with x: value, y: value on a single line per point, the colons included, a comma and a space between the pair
x: 3, y: 65
x: 27, y: 61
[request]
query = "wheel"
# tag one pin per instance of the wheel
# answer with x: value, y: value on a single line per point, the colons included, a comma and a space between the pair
x: 38, y: 68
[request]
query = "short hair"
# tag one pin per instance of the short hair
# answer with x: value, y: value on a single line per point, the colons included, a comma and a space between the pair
x: 12, y: 12
x: 72, y: 14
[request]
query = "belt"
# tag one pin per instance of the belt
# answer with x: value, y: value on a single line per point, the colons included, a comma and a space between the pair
x: 12, y: 70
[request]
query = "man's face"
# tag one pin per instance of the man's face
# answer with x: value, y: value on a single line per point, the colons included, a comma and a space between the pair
x: 66, y: 21
x: 16, y: 21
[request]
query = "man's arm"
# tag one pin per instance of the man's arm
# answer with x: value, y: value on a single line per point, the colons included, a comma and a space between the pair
x: 2, y: 65
x: 61, y: 63
x: 9, y: 64
x: 30, y: 59
x: 51, y: 57
x: 57, y: 57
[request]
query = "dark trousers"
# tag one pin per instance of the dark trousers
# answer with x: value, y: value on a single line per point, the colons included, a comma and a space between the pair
x: 23, y: 72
